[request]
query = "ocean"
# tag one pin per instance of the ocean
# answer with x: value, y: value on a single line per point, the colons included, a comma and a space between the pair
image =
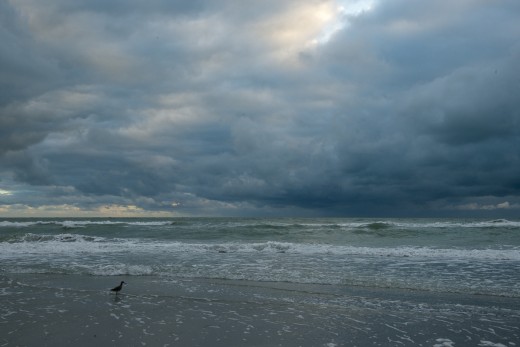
x: 338, y: 269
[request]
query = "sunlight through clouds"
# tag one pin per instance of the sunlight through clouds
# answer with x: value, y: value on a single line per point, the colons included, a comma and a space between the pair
x: 306, y: 25
x: 336, y: 17
x: 290, y: 32
x: 355, y: 7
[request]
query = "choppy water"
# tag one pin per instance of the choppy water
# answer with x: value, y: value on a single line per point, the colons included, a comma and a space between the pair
x: 439, y: 255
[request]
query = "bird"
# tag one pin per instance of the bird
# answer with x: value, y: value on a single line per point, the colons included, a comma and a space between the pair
x: 118, y: 288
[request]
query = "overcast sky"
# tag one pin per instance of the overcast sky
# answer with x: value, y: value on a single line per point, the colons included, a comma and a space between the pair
x: 271, y: 107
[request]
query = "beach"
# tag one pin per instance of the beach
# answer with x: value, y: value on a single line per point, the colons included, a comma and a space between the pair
x: 57, y: 310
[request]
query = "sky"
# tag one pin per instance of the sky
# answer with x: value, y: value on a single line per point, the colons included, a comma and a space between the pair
x: 260, y: 108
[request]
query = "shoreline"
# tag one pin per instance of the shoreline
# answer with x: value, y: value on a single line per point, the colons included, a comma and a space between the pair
x: 52, y: 310
x: 198, y: 288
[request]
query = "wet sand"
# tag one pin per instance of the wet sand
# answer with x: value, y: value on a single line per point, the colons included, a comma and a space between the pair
x: 54, y: 310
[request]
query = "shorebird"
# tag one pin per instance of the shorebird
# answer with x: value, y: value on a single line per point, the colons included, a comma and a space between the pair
x: 118, y: 288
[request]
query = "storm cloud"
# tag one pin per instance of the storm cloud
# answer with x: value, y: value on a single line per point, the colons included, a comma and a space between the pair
x: 315, y: 107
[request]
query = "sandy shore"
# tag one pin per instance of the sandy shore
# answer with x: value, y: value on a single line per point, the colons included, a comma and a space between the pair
x: 44, y: 310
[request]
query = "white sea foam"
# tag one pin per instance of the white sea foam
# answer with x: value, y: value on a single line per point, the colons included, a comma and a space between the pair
x: 151, y: 223
x: 17, y: 224
x: 80, y: 223
x: 31, y: 237
x: 498, y: 223
x: 34, y: 244
x: 119, y: 270
x: 66, y: 243
x: 444, y: 343
x: 316, y: 249
x: 492, y: 344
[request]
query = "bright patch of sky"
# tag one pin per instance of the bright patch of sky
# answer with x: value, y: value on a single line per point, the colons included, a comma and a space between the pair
x: 337, y: 18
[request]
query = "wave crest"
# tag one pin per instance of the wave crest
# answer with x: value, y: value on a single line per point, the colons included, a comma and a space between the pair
x: 70, y: 224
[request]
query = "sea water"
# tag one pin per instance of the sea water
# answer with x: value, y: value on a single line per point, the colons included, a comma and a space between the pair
x: 436, y: 255
x: 260, y: 282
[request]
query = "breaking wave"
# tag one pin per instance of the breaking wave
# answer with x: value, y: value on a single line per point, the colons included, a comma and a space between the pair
x: 71, y: 243
x: 80, y: 223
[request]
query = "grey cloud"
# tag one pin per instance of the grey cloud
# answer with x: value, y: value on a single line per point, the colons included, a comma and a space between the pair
x: 472, y: 105
x: 410, y: 108
x: 27, y: 168
x: 25, y: 68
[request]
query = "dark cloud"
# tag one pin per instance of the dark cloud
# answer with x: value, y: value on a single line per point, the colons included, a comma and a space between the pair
x: 246, y: 108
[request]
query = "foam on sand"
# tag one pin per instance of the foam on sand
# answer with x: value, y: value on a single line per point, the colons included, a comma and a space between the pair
x: 79, y: 311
